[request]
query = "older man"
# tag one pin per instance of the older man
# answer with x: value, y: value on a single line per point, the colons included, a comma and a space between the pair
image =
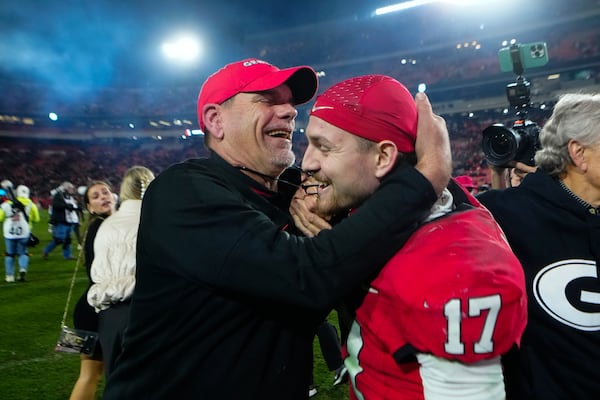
x: 227, y: 298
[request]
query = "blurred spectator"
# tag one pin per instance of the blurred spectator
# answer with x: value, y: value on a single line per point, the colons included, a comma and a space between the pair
x: 62, y: 218
x: 467, y: 182
x: 18, y: 215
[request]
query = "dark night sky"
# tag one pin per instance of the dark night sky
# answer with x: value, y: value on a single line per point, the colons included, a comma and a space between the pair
x: 112, y: 43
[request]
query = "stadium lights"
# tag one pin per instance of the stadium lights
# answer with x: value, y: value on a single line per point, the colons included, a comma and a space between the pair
x: 185, y: 48
x: 416, y: 3
x: 402, y: 6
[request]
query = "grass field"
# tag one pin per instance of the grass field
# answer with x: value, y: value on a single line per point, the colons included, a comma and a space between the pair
x: 30, y: 317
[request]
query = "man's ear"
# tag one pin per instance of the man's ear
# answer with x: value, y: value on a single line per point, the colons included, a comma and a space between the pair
x: 576, y: 153
x: 211, y: 115
x: 387, y: 154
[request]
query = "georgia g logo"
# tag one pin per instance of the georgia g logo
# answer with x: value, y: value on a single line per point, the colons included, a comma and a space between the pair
x: 569, y: 291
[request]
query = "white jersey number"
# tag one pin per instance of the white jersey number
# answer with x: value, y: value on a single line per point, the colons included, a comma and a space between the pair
x: 452, y: 310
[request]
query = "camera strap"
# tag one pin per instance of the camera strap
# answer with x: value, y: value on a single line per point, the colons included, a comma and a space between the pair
x: 77, y: 263
x: 64, y: 317
x: 20, y: 206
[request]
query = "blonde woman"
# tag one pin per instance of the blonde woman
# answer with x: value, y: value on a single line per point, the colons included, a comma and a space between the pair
x: 113, y: 269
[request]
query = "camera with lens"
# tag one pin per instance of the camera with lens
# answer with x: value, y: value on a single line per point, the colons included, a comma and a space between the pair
x: 503, y: 145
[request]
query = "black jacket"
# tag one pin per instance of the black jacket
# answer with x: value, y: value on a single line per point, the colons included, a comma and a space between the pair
x: 62, y: 203
x: 557, y: 241
x: 227, y: 301
x: 84, y: 315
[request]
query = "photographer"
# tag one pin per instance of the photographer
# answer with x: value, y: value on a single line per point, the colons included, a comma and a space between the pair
x: 19, y: 213
x: 552, y: 222
x: 510, y: 152
x: 63, y: 218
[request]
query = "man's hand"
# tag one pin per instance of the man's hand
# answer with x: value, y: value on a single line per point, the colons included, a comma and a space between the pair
x: 510, y: 176
x: 303, y: 210
x: 434, y: 160
x: 517, y: 174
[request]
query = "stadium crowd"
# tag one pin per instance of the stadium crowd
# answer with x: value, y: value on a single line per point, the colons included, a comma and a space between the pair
x: 442, y: 67
x: 43, y: 165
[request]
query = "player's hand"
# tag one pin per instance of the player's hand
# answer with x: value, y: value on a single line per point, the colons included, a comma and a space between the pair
x: 434, y: 160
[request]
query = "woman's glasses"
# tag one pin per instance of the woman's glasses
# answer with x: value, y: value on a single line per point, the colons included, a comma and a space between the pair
x: 310, y: 189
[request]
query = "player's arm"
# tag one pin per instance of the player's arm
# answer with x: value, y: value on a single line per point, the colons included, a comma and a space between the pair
x: 448, y: 379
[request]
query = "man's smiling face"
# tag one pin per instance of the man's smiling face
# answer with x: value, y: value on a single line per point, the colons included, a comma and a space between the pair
x: 343, y: 165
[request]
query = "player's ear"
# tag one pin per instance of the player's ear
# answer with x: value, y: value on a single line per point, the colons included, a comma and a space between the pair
x: 387, y: 155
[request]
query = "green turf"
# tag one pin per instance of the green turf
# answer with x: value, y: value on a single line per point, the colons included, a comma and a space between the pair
x: 30, y: 317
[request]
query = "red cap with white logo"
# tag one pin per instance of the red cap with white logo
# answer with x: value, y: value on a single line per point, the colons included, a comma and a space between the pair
x: 253, y: 75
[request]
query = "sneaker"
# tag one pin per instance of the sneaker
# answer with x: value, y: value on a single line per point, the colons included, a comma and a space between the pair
x: 10, y: 278
x: 341, y: 376
x: 312, y: 391
x: 45, y: 256
x: 22, y: 276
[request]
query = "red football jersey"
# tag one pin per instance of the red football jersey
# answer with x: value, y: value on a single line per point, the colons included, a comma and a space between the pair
x: 455, y: 290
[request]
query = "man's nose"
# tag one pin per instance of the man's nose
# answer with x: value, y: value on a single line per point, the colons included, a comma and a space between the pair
x: 287, y: 111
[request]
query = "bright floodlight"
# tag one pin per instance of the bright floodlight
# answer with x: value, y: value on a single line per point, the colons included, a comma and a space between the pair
x: 53, y: 116
x: 405, y: 5
x: 402, y: 6
x: 185, y: 48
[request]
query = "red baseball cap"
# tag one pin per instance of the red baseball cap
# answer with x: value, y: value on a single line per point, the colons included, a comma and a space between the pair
x: 253, y: 75
x: 375, y: 107
x: 466, y: 181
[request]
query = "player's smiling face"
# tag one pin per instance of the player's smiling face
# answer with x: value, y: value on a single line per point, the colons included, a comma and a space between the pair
x: 342, y: 166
